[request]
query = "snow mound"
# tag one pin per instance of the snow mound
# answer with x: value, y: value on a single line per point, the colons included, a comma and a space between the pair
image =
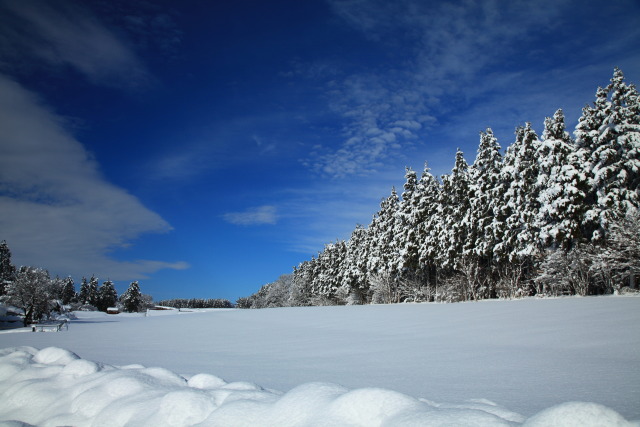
x: 52, y: 387
x: 577, y: 414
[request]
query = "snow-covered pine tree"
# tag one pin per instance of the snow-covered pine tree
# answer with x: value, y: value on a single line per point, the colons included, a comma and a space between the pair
x: 406, y: 233
x: 131, y: 299
x: 485, y: 179
x: 521, y: 171
x: 617, y: 158
x: 92, y: 297
x: 428, y: 215
x: 83, y: 294
x: 609, y: 136
x: 383, y: 254
x: 68, y: 291
x: 7, y: 270
x: 107, y: 296
x: 518, y: 245
x: 484, y: 201
x: 355, y: 278
x: 301, y: 284
x: 562, y: 186
x: 328, y: 270
x: 454, y: 202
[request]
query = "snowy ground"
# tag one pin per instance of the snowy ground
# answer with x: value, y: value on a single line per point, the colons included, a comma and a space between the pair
x: 335, y: 365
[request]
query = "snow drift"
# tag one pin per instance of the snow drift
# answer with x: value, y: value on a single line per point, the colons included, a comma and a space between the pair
x: 53, y: 386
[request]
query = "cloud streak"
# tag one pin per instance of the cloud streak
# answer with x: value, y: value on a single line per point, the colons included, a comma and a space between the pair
x: 56, y: 209
x: 66, y: 34
x: 253, y: 216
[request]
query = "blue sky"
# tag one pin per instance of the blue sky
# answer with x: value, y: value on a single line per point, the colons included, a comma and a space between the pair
x: 205, y: 148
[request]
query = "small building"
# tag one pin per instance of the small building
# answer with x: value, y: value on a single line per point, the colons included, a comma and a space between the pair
x: 113, y: 310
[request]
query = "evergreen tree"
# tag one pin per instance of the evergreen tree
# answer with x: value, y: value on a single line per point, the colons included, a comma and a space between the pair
x: 327, y: 278
x: 7, y: 270
x: 609, y: 137
x: 68, y: 291
x: 406, y: 233
x: 482, y: 218
x: 516, y: 225
x: 484, y: 202
x: 83, y: 295
x: 562, y: 186
x: 427, y: 217
x: 521, y: 171
x: 301, y: 284
x: 383, y: 254
x: 131, y: 299
x: 94, y: 297
x: 355, y: 277
x: 89, y: 292
x: 107, y: 296
x: 454, y: 202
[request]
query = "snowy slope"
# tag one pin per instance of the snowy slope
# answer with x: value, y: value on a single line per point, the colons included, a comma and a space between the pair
x: 524, y: 355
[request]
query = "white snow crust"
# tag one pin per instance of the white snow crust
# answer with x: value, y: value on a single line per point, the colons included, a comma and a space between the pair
x: 531, y: 356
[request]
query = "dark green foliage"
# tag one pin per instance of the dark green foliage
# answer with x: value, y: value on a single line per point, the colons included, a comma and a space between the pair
x: 68, y: 294
x: 89, y: 292
x: 7, y: 270
x: 107, y: 296
x: 132, y: 300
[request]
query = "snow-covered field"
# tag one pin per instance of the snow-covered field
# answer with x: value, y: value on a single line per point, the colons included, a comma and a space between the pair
x: 484, y: 363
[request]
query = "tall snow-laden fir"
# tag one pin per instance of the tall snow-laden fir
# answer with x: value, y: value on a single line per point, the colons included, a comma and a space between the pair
x: 484, y: 203
x: 563, y: 186
x: 609, y: 137
x: 68, y: 293
x: 7, y: 270
x: 107, y: 296
x: 553, y: 215
x: 427, y: 215
x: 88, y: 294
x: 131, y: 299
x: 453, y: 227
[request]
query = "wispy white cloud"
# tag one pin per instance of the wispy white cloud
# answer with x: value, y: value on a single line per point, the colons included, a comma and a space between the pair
x: 253, y: 216
x: 67, y: 34
x: 450, y: 56
x: 56, y: 209
x: 381, y: 115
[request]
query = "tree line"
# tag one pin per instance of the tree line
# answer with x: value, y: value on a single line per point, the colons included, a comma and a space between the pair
x: 196, y: 303
x: 32, y: 290
x: 553, y: 215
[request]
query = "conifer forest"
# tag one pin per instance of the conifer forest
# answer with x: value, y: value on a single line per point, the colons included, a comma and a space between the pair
x: 554, y: 214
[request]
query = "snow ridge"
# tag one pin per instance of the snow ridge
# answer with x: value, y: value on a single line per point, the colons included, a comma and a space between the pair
x: 53, y: 386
